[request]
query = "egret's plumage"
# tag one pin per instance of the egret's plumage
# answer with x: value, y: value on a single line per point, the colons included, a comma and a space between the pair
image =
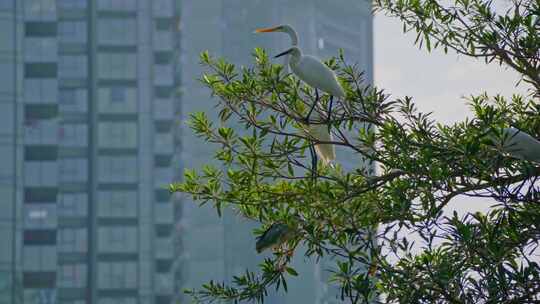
x: 313, y: 72
x: 327, y: 152
x: 521, y: 145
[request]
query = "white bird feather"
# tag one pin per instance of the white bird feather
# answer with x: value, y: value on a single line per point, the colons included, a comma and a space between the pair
x: 521, y: 145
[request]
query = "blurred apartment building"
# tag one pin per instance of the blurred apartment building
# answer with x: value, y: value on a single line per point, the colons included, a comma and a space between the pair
x: 87, y: 108
x: 94, y: 95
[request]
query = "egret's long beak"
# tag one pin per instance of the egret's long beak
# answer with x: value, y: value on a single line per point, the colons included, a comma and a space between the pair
x: 284, y: 53
x: 267, y: 29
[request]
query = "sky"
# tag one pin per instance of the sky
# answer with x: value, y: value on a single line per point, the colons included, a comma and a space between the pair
x: 436, y: 81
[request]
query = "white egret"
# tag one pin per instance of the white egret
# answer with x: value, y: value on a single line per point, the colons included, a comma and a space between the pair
x: 317, y: 75
x: 521, y: 145
x: 284, y: 28
x: 313, y: 72
x: 307, y: 68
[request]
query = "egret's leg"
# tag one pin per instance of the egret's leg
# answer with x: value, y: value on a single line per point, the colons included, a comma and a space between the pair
x: 313, y: 105
x: 330, y: 110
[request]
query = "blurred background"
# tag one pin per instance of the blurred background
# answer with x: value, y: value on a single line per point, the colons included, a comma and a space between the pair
x: 94, y: 97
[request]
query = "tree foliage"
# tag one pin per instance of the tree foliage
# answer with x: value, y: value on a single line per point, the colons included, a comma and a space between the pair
x: 367, y: 219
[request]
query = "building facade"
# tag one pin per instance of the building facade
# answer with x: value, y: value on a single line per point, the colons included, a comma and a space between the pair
x: 87, y: 145
x: 216, y: 248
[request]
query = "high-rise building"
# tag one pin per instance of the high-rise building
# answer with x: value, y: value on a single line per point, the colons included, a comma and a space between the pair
x: 87, y: 105
x: 217, y: 248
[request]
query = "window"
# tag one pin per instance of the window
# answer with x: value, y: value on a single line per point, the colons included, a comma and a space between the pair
x: 163, y: 8
x: 41, y: 131
x: 49, y: 90
x: 117, y: 31
x: 41, y: 173
x: 73, y: 204
x: 66, y: 97
x: 40, y: 90
x: 73, y: 135
x: 7, y: 33
x: 117, y: 135
x: 163, y: 40
x: 40, y: 10
x: 6, y: 126
x: 40, y: 49
x: 6, y: 234
x: 164, y: 213
x: 40, y: 216
x: 72, y: 31
x: 163, y: 74
x: 72, y: 240
x: 73, y: 170
x: 72, y: 275
x: 39, y: 258
x: 117, y: 100
x: 117, y: 5
x: 117, y: 204
x: 71, y: 4
x: 163, y: 143
x: 6, y: 280
x: 40, y: 295
x: 7, y: 76
x: 117, y: 66
x: 163, y: 176
x: 117, y: 275
x: 118, y: 169
x: 73, y: 100
x: 6, y: 4
x: 118, y: 94
x: 117, y: 239
x: 164, y: 248
x: 164, y: 283
x: 67, y: 239
x: 163, y: 108
x: 72, y: 66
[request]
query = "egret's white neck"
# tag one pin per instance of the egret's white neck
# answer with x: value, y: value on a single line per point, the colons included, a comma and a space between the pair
x: 292, y: 33
x: 294, y: 37
x: 295, y: 56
